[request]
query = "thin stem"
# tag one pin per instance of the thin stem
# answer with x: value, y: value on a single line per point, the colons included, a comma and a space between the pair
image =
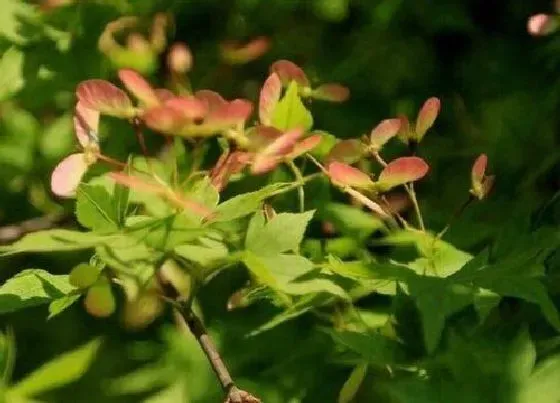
x: 379, y: 159
x: 294, y: 185
x: 188, y: 320
x: 410, y: 190
x: 137, y: 124
x: 170, y: 142
x: 317, y: 163
x: 404, y: 223
x: 111, y: 161
x: 299, y: 179
x: 140, y: 136
x: 10, y: 357
x: 456, y: 214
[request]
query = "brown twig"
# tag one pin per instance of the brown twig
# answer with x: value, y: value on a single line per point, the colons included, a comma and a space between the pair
x: 13, y: 232
x: 187, y: 320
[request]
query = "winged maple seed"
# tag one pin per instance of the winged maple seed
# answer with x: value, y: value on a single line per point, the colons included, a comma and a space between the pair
x: 268, y: 148
x: 426, y: 118
x: 397, y: 172
x: 543, y: 24
x: 481, y: 184
x: 234, y: 52
x: 288, y: 71
x: 204, y: 114
x: 68, y: 174
x: 179, y: 58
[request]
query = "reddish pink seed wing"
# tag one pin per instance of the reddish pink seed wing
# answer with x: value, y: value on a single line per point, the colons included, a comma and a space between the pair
x: 384, y: 132
x: 212, y: 99
x: 288, y: 71
x: 139, y: 87
x: 305, y: 146
x: 331, y: 92
x: 238, y: 53
x: 264, y: 163
x: 104, y: 97
x: 269, y: 97
x: 346, y: 175
x: 542, y: 24
x: 189, y: 108
x: 68, y: 174
x: 164, y: 94
x: 164, y: 119
x: 402, y: 170
x: 427, y: 116
x: 86, y: 124
x: 179, y: 59
x: 284, y: 144
x: 231, y: 113
x: 479, y: 169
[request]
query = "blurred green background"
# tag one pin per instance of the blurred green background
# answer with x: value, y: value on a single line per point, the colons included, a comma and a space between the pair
x: 500, y: 95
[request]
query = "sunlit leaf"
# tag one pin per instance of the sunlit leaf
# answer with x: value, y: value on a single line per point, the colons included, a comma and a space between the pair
x: 32, y: 287
x: 84, y: 275
x: 245, y: 203
x: 542, y: 385
x: 62, y: 370
x: 290, y: 113
x: 59, y: 305
x: 282, y: 233
x: 351, y: 220
x: 54, y: 240
x: 96, y: 209
x: 205, y: 253
x: 11, y: 68
x: 353, y: 383
x: 14, y: 13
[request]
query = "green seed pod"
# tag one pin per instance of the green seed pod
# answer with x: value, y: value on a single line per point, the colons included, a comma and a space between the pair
x: 100, y: 301
x: 84, y: 275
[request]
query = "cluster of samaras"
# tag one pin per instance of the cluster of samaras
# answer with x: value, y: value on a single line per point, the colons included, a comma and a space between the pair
x: 261, y: 146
